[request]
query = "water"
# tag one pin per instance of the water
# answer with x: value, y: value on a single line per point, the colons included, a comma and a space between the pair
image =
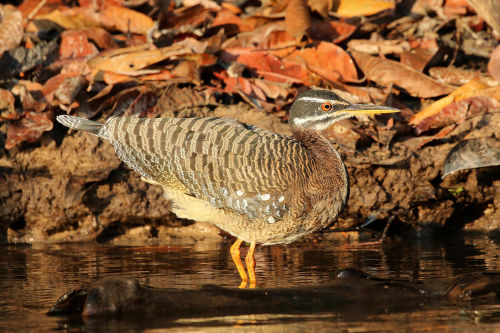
x: 32, y: 279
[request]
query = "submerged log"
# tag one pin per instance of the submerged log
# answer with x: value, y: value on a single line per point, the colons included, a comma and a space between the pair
x: 350, y: 290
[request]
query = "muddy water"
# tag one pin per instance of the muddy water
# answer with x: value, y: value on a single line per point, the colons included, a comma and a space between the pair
x: 32, y: 278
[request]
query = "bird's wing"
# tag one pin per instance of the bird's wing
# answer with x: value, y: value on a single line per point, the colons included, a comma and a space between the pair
x: 230, y: 164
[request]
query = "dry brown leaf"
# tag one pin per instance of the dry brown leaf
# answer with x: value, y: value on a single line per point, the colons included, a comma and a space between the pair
x: 29, y: 128
x: 473, y: 88
x: 7, y: 109
x: 297, y: 18
x: 51, y: 85
x: 74, y: 44
x: 272, y: 89
x: 321, y: 6
x: 455, y: 7
x: 379, y: 46
x: 459, y: 76
x: 125, y: 20
x: 68, y: 19
x: 208, y: 4
x: 331, y: 31
x: 386, y: 72
x: 11, y: 28
x: 30, y: 95
x: 328, y: 60
x: 70, y: 88
x: 457, y: 112
x: 185, y: 17
x: 490, y: 11
x: 417, y: 58
x: 494, y: 64
x: 422, y: 7
x: 267, y: 65
x: 351, y: 8
x: 241, y: 85
x: 101, y: 37
x: 128, y: 60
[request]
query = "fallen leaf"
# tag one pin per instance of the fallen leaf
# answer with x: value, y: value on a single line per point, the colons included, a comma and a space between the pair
x: 457, y: 112
x: 68, y: 19
x: 267, y: 65
x: 133, y: 101
x: 111, y: 78
x: 75, y: 44
x: 164, y: 75
x: 101, y: 37
x: 494, y: 64
x: 456, y: 7
x: 28, y: 6
x: 188, y: 70
x: 417, y: 58
x: 29, y: 128
x: 379, y: 46
x: 241, y: 85
x: 470, y: 89
x: 328, y: 60
x: 70, y: 88
x: 459, y: 76
x: 126, y: 60
x: 423, y: 7
x: 490, y: 11
x: 31, y: 99
x: 51, y: 85
x: 185, y: 17
x: 227, y: 17
x: 351, y: 8
x: 297, y: 18
x: 7, y: 109
x: 272, y: 89
x: 125, y: 20
x: 386, y: 72
x: 208, y: 4
x: 321, y: 6
x: 11, y: 27
x: 331, y: 31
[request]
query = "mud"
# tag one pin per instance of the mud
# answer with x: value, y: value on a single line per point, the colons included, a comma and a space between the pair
x: 72, y: 187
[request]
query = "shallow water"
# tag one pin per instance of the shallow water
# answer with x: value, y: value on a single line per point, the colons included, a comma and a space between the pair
x: 32, y: 279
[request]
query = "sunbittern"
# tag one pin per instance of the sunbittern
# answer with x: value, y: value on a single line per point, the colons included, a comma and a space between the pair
x: 259, y: 186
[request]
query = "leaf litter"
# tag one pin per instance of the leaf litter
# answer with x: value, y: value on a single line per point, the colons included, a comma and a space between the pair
x: 438, y: 60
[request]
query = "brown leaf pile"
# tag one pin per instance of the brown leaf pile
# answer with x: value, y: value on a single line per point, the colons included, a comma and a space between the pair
x: 116, y: 57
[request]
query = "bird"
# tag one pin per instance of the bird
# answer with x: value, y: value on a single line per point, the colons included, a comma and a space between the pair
x: 259, y: 186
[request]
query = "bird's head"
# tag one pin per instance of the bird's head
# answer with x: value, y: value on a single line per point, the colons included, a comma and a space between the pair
x: 320, y: 109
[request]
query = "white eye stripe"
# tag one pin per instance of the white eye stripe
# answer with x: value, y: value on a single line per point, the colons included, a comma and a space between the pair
x: 321, y: 100
x: 311, y: 99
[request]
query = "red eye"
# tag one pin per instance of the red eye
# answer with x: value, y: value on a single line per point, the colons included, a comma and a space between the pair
x: 326, y: 106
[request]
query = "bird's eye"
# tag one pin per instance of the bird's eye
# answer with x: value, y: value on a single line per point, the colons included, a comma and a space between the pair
x: 326, y: 106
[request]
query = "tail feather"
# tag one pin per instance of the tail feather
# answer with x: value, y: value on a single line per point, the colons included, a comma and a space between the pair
x: 82, y: 124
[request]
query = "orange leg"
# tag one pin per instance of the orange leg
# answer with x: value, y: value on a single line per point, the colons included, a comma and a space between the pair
x: 235, y: 253
x: 250, y: 261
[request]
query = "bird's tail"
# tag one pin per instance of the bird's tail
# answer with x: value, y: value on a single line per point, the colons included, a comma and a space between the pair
x: 82, y: 124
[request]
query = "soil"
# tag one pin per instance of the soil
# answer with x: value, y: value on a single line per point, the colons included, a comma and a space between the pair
x: 72, y: 187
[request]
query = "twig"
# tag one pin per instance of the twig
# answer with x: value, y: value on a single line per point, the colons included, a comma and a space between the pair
x: 35, y: 11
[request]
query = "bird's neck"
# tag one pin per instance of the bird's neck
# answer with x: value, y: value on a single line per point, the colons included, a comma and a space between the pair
x: 318, y: 146
x: 328, y: 168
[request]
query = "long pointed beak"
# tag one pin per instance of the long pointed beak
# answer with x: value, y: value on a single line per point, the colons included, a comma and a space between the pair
x: 355, y: 109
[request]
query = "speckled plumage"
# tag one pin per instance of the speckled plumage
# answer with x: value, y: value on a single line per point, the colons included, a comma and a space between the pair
x: 259, y: 186
x: 247, y: 178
